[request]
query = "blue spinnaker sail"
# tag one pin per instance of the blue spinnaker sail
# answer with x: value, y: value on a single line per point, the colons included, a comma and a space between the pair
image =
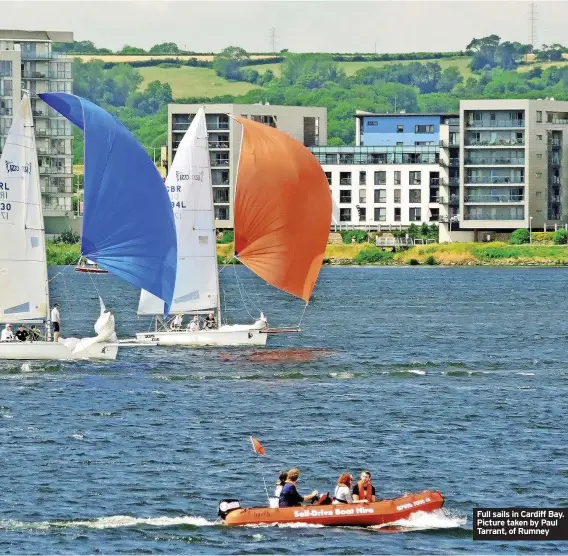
x: 128, y: 221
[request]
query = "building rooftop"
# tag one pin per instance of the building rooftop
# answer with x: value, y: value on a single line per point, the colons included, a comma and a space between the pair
x: 20, y: 35
x: 362, y: 113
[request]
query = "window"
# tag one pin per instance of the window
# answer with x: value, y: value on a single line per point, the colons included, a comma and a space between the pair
x: 372, y: 123
x: 539, y: 116
x: 380, y: 196
x: 328, y: 176
x: 539, y: 175
x: 362, y: 195
x: 414, y: 178
x: 380, y: 178
x: 414, y: 214
x: 362, y: 178
x: 424, y: 129
x: 380, y: 214
x: 344, y: 178
x: 345, y: 215
x: 344, y: 196
x: 220, y: 177
x: 5, y: 68
x: 400, y: 128
x: 222, y: 213
x: 220, y: 194
x: 539, y: 156
x: 399, y: 144
x: 422, y: 143
x: 492, y: 116
x: 397, y: 177
x: 539, y: 137
x: 414, y: 195
x: 362, y: 214
x: 397, y: 214
x: 397, y: 195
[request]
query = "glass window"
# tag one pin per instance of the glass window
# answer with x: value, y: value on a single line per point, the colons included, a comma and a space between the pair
x: 345, y: 215
x: 424, y: 129
x: 362, y: 214
x: 380, y: 214
x: 397, y: 214
x: 539, y: 116
x: 380, y: 178
x: 380, y: 196
x: 362, y: 178
x: 344, y: 195
x: 328, y: 176
x: 414, y: 214
x: 220, y: 194
x: 397, y: 174
x: 362, y: 195
x: 414, y: 195
x: 414, y: 178
x: 345, y: 178
x: 397, y: 195
x: 400, y: 128
x: 222, y: 212
x: 5, y: 68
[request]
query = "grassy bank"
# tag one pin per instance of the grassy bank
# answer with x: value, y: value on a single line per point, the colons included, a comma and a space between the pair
x: 450, y: 254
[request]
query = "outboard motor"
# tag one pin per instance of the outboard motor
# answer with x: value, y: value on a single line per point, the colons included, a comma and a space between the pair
x: 227, y: 506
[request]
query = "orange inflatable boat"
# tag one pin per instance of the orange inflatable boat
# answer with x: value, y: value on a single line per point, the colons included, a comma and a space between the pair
x: 374, y: 513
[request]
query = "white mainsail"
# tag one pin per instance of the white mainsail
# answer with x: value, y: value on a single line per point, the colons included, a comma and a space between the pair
x: 189, y: 186
x: 24, y: 293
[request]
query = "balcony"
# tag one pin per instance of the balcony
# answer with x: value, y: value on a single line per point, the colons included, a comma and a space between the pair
x: 220, y: 162
x: 54, y: 170
x: 494, y: 198
x: 452, y: 163
x: 39, y: 114
x: 217, y: 125
x: 497, y: 160
x: 434, y: 181
x: 560, y: 121
x: 5, y: 111
x: 496, y: 143
x: 495, y: 179
x: 32, y: 55
x: 555, y: 143
x: 33, y: 75
x: 60, y: 75
x: 434, y: 218
x: 496, y: 123
x: 454, y: 200
x: 218, y: 144
x: 435, y: 199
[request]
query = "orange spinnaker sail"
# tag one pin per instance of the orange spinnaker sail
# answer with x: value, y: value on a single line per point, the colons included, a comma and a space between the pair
x: 257, y: 447
x: 282, y: 209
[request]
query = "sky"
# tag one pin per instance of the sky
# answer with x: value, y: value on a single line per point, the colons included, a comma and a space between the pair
x: 301, y: 26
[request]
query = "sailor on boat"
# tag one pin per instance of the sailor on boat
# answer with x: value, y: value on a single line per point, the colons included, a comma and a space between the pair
x: 210, y: 321
x: 193, y: 326
x: 364, y: 490
x: 290, y: 497
x: 7, y: 335
x: 177, y: 321
x: 22, y: 334
x: 56, y: 322
x: 343, y: 494
x: 280, y: 483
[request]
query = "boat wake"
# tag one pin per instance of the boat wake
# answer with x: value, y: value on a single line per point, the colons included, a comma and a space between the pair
x: 422, y: 521
x: 111, y: 522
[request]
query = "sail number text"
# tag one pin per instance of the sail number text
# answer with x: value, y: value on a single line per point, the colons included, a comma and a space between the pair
x: 4, y: 207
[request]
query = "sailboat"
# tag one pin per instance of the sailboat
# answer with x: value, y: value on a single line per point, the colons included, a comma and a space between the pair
x: 128, y: 226
x: 282, y: 221
x: 89, y: 267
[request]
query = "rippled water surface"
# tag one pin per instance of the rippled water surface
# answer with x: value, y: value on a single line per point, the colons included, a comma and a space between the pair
x: 450, y: 379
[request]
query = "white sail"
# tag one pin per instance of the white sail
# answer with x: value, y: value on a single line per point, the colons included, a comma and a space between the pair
x: 23, y: 268
x: 189, y: 187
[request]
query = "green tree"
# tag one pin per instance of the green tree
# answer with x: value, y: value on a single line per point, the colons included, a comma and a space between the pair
x: 128, y: 50
x: 155, y: 96
x: 449, y: 78
x: 165, y: 48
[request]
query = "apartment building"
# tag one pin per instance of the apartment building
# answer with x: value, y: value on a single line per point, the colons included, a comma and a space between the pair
x: 28, y: 62
x: 306, y: 124
x: 403, y: 170
x: 511, y: 158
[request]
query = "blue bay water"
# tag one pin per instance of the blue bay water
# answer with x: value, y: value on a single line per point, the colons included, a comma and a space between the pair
x: 450, y: 379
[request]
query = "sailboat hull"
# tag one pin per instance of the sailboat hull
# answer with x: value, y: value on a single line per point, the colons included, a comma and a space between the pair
x: 236, y: 335
x: 56, y: 351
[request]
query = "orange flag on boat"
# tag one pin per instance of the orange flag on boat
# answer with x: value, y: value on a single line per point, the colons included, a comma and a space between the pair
x: 257, y: 447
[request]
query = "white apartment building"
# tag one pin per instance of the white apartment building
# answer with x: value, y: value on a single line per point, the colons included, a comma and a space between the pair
x: 512, y: 154
x: 306, y: 124
x: 28, y: 62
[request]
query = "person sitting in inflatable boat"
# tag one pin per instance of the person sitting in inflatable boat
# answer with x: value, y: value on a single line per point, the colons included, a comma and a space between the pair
x: 342, y: 493
x: 364, y: 490
x: 290, y: 497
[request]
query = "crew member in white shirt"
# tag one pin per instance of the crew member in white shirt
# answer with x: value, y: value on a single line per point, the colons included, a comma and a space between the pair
x: 7, y: 335
x: 56, y: 322
x: 194, y: 324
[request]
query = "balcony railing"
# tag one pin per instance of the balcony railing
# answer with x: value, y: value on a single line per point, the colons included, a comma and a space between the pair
x: 39, y: 114
x: 454, y: 182
x: 494, y: 198
x: 519, y: 161
x: 435, y: 199
x: 496, y: 123
x: 555, y: 199
x: 57, y: 132
x: 54, y: 170
x: 555, y: 143
x: 217, y: 125
x: 454, y: 200
x: 434, y: 218
x: 496, y: 143
x: 218, y: 144
x: 220, y: 162
x: 5, y: 111
x: 494, y: 179
x: 452, y: 163
x: 434, y: 181
x: 33, y: 75
x: 60, y: 75
x: 559, y: 121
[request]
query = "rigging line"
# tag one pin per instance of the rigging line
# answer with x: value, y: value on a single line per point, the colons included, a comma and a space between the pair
x: 302, y: 316
x: 240, y: 291
x: 225, y: 304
